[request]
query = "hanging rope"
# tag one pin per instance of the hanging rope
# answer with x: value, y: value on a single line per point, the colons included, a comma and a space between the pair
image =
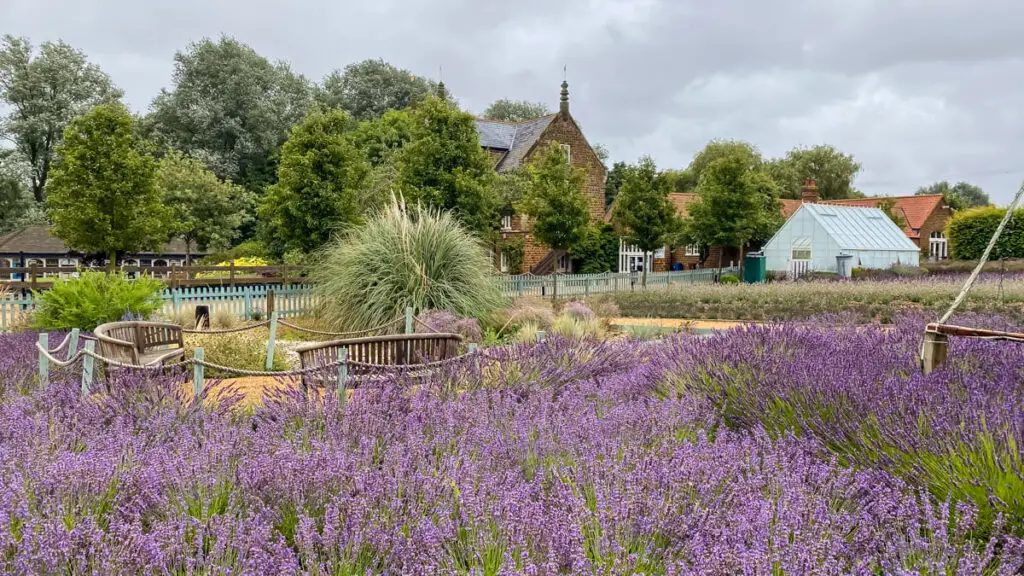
x: 228, y: 330
x: 355, y: 333
x: 427, y: 326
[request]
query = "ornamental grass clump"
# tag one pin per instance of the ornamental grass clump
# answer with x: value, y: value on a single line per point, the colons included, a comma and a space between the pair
x: 404, y: 256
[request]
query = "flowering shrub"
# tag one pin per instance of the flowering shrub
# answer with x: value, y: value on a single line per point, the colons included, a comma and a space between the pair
x: 755, y: 451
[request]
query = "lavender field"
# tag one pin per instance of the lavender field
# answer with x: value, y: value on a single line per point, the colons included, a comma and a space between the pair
x: 790, y: 449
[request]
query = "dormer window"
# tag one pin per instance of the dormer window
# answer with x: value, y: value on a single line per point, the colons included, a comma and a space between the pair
x: 506, y: 222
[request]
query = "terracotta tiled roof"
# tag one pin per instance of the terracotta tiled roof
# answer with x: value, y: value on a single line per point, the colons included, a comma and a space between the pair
x: 681, y: 200
x: 914, y: 209
x: 789, y: 207
x: 38, y: 240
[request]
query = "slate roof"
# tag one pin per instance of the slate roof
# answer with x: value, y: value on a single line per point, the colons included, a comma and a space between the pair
x: 914, y: 209
x: 859, y: 228
x: 38, y: 240
x: 515, y: 138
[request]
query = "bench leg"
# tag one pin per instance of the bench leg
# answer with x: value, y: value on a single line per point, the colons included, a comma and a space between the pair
x: 936, y: 347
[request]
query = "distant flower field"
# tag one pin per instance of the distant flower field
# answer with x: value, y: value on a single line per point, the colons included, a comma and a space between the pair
x: 790, y: 449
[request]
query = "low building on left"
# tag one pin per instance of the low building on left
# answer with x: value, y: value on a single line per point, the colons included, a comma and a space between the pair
x: 37, y: 246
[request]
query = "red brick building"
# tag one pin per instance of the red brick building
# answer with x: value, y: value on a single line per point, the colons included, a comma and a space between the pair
x: 923, y: 217
x: 512, y: 145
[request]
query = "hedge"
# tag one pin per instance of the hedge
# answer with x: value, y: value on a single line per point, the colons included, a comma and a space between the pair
x: 969, y: 233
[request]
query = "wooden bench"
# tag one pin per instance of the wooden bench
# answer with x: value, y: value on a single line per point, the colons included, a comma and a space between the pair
x: 140, y: 343
x: 410, y: 350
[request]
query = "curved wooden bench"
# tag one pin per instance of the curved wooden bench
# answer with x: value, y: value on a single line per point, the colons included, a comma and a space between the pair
x: 409, y: 350
x: 140, y: 343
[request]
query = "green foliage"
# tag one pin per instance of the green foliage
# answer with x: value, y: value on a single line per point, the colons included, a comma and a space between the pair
x: 737, y: 205
x: 888, y: 206
x: 369, y: 89
x: 320, y: 184
x: 643, y: 213
x: 514, y: 251
x: 247, y: 249
x: 970, y: 231
x: 95, y: 298
x: 959, y: 196
x: 728, y: 279
x: 230, y: 108
x: 737, y: 150
x: 43, y: 92
x: 613, y: 182
x: 242, y: 350
x: 380, y: 137
x: 417, y: 257
x: 506, y: 110
x: 597, y: 251
x: 443, y: 165
x: 16, y: 200
x: 681, y: 180
x: 207, y: 210
x: 103, y: 195
x: 832, y: 170
x: 555, y: 199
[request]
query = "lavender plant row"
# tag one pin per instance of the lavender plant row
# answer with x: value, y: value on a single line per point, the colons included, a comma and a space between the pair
x: 565, y: 458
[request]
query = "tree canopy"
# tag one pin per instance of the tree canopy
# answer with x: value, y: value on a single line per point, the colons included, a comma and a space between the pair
x: 613, y: 182
x: 207, y: 210
x: 369, y: 89
x: 959, y: 196
x: 320, y: 190
x: 555, y: 200
x: 716, y: 149
x: 643, y: 213
x: 15, y: 198
x: 443, y: 165
x: 103, y: 196
x: 43, y: 92
x: 507, y: 110
x: 832, y: 170
x: 231, y: 108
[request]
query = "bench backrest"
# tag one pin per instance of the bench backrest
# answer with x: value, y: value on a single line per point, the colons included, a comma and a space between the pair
x: 128, y: 341
x: 394, y: 350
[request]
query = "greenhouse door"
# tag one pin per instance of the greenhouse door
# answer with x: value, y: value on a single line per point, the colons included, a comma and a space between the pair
x: 798, y: 268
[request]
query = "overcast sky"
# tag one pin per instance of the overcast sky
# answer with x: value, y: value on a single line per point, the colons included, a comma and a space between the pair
x: 916, y: 90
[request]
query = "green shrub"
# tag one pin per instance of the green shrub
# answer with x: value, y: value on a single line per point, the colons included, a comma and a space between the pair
x: 402, y: 257
x: 514, y: 251
x: 970, y: 231
x: 728, y: 279
x: 597, y: 251
x: 95, y: 298
x: 247, y: 249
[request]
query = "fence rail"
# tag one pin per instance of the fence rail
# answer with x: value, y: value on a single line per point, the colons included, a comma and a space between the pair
x: 256, y: 302
x: 39, y: 277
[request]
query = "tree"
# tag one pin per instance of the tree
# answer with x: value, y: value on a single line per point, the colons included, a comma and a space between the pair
x: 319, y: 181
x: 832, y: 170
x: 207, y: 210
x: 888, y: 205
x: 380, y: 137
x: 103, y: 196
x: 960, y: 196
x: 555, y: 199
x: 682, y: 181
x: 44, y: 91
x: 643, y: 213
x: 370, y: 88
x: 613, y: 181
x: 736, y: 205
x: 597, y: 251
x: 231, y: 108
x: 507, y: 110
x: 443, y: 165
x: 717, y: 149
x: 15, y: 198
x: 601, y: 151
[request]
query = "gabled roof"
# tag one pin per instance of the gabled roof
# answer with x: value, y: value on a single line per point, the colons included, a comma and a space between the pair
x: 914, y: 209
x: 857, y: 228
x: 515, y: 138
x: 681, y: 200
x: 39, y: 240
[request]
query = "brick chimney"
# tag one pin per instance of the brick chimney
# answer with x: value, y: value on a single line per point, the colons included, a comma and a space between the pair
x: 809, y: 192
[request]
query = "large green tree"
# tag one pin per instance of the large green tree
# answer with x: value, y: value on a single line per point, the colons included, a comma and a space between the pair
x: 103, y: 194
x: 380, y: 137
x: 555, y: 200
x: 43, y: 91
x: 443, y: 165
x: 368, y: 89
x: 207, y: 210
x: 320, y: 189
x: 736, y: 205
x: 832, y: 170
x: 613, y: 181
x: 507, y: 110
x: 643, y: 213
x: 681, y: 180
x: 959, y: 196
x: 231, y: 108
x: 717, y: 149
x: 16, y: 201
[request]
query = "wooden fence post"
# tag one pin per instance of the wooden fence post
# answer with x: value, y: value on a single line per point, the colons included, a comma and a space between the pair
x: 936, y: 346
x: 270, y: 301
x: 197, y: 374
x: 44, y: 362
x: 408, y: 319
x: 231, y: 274
x: 540, y: 336
x: 87, y: 366
x: 73, y: 342
x: 342, y: 376
x: 270, y: 341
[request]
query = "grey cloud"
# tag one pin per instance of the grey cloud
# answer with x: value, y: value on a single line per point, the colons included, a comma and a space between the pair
x: 918, y: 90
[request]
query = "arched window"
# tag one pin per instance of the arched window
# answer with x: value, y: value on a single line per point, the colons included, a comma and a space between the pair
x: 938, y: 246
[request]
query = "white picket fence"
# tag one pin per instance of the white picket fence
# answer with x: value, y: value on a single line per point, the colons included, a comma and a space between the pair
x: 250, y: 302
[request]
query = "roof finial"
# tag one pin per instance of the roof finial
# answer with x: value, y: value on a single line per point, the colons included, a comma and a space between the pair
x: 563, y: 105
x: 442, y: 92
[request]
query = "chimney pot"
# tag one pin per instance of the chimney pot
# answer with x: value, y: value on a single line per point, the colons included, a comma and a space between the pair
x: 809, y: 192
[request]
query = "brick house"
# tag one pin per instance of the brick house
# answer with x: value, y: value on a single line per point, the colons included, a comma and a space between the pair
x: 512, y: 145
x: 924, y: 218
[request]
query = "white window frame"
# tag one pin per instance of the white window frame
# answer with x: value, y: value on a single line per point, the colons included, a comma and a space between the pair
x: 568, y: 152
x: 503, y: 262
x: 693, y: 249
x: 506, y: 222
x: 938, y: 246
x: 631, y: 255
